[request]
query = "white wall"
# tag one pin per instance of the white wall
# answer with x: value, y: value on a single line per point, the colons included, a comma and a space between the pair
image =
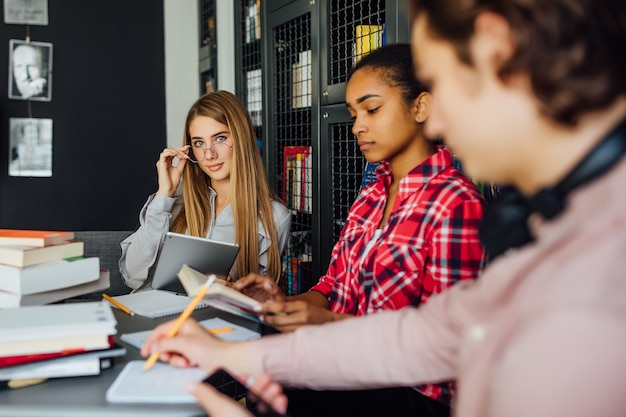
x: 182, y: 74
x: 182, y: 79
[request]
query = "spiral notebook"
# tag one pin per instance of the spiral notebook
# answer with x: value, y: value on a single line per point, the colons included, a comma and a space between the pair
x: 155, y: 303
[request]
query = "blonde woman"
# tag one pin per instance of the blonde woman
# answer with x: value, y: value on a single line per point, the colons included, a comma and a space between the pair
x: 218, y: 189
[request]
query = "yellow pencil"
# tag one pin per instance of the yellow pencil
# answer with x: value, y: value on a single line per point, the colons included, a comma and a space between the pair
x: 181, y: 319
x: 118, y: 304
x: 221, y: 330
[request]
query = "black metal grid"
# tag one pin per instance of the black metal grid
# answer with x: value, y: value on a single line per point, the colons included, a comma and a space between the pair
x: 207, y: 78
x: 344, y: 20
x: 346, y: 173
x: 292, y: 135
x: 207, y: 19
x: 251, y: 57
x: 347, y: 161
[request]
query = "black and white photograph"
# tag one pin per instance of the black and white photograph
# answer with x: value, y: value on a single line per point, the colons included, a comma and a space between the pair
x: 26, y: 12
x: 30, y: 70
x: 30, y: 147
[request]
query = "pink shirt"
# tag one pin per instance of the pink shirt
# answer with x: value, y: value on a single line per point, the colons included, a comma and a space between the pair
x: 541, y: 333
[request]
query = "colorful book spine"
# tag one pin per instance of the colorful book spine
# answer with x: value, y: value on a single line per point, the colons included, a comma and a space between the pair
x: 368, y: 38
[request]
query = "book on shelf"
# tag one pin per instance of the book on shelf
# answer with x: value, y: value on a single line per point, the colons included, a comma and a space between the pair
x: 67, y: 365
x: 369, y: 174
x: 22, y: 256
x: 254, y: 95
x: 12, y: 300
x: 297, y: 264
x: 56, y: 328
x: 253, y: 21
x: 301, y: 79
x: 367, y: 38
x: 217, y: 294
x: 297, y: 177
x: 49, y: 276
x: 22, y: 237
x: 308, y: 182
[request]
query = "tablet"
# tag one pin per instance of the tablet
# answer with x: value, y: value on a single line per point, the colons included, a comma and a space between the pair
x: 205, y: 255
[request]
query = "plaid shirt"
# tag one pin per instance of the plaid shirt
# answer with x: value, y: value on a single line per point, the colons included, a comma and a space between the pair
x: 429, y: 243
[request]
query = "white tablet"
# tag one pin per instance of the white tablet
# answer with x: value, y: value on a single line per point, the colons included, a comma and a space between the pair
x: 205, y: 255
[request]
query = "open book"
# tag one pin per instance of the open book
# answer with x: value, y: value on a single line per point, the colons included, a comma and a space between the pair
x: 219, y: 295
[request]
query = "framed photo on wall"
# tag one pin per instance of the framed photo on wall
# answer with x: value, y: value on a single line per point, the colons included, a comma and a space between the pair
x: 30, y: 147
x: 30, y: 70
x: 26, y: 12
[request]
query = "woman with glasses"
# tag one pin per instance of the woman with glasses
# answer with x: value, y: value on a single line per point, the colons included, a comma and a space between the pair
x: 218, y: 190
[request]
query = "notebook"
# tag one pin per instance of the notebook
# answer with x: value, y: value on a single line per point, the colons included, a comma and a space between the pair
x: 205, y: 255
x: 155, y: 303
x: 238, y: 334
x: 163, y: 384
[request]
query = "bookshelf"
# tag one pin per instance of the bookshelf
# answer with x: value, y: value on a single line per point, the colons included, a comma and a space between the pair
x: 208, y: 46
x: 249, y: 82
x: 303, y: 55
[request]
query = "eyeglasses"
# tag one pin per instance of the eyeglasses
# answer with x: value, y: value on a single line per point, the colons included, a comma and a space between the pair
x: 199, y: 150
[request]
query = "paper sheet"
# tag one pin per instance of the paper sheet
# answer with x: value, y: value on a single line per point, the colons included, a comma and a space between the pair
x: 163, y: 383
x: 238, y: 334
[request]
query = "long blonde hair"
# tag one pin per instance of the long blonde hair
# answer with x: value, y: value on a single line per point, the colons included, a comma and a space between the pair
x: 251, y: 195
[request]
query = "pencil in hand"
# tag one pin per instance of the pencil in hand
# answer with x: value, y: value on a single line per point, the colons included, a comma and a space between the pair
x: 181, y: 319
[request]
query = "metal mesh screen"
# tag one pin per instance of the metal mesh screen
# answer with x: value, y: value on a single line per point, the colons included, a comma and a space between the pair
x: 252, y: 96
x: 208, y: 45
x: 207, y: 78
x: 292, y: 138
x: 207, y: 19
x: 347, y: 173
x: 354, y: 28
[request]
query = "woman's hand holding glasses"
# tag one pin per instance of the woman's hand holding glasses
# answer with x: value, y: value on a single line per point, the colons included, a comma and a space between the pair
x: 169, y: 174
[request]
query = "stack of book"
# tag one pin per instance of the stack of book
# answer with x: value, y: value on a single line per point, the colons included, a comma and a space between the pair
x: 41, y: 267
x: 54, y: 341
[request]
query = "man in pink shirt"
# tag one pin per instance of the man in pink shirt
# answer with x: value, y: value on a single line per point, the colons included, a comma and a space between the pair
x: 531, y: 94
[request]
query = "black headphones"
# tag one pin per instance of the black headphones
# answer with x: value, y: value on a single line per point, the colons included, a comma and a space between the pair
x: 505, y: 224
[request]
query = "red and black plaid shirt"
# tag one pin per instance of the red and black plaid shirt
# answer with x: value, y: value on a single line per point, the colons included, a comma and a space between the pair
x: 429, y: 243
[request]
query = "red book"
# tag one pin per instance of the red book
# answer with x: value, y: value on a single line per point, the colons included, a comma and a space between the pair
x: 23, y: 359
x: 291, y: 186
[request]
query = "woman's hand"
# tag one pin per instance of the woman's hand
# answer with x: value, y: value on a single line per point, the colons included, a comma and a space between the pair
x: 195, y: 346
x: 215, y: 403
x: 268, y: 393
x: 260, y: 287
x: 168, y: 173
x: 218, y: 405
